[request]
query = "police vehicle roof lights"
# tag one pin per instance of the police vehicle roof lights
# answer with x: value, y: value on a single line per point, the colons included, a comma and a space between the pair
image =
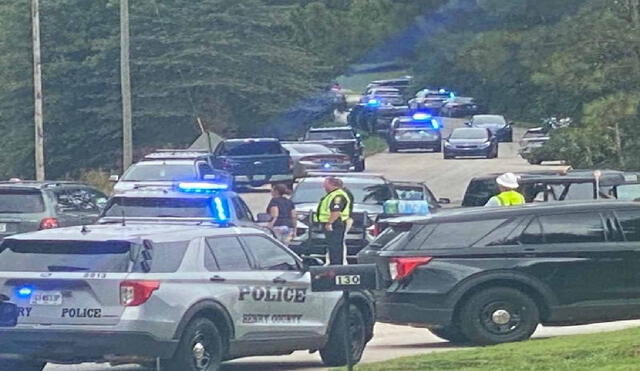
x: 201, y: 187
x: 373, y: 102
x: 24, y: 292
x: 425, y: 117
x: 220, y: 209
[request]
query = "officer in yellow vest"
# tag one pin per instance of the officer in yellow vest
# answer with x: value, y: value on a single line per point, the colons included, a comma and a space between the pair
x: 508, y: 196
x: 333, y: 213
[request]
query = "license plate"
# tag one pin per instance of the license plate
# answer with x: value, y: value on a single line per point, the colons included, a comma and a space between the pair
x: 3, y: 227
x: 259, y: 177
x: 46, y: 298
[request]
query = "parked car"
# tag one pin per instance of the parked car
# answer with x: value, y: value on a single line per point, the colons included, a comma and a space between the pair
x: 254, y: 161
x: 315, y: 157
x: 27, y: 206
x: 430, y: 101
x: 476, y: 142
x: 420, y: 131
x: 343, y: 139
x: 490, y: 276
x: 402, y: 84
x: 459, y: 107
x: 497, y: 124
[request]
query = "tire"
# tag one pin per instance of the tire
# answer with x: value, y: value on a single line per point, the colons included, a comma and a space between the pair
x: 532, y: 161
x: 15, y: 365
x: 450, y: 333
x: 333, y: 354
x: 393, y: 149
x: 360, y: 166
x: 199, y: 331
x: 477, y: 314
x: 447, y: 156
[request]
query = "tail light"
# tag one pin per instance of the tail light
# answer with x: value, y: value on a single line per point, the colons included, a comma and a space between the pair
x: 49, y: 223
x: 134, y: 293
x: 401, y: 268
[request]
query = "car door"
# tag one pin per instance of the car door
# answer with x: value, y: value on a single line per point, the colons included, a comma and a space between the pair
x: 295, y: 310
x: 627, y: 222
x: 575, y: 255
x: 234, y: 280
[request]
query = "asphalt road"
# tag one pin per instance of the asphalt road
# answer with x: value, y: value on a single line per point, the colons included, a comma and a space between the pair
x: 447, y: 179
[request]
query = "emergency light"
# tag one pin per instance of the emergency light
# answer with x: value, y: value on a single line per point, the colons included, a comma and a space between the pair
x: 25, y: 292
x: 373, y: 103
x: 220, y: 209
x: 201, y: 187
x: 421, y: 116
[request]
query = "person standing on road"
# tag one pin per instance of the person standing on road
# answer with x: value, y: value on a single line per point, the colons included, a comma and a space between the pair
x: 347, y: 225
x: 283, y: 213
x: 508, y: 196
x: 332, y: 214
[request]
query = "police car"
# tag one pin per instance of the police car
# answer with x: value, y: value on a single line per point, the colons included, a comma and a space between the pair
x: 186, y: 296
x: 419, y: 131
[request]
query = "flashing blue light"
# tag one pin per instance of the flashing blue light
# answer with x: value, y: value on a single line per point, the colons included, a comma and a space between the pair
x: 452, y: 95
x: 326, y: 166
x: 435, y: 124
x: 201, y: 187
x: 221, y: 209
x: 442, y: 91
x: 25, y: 292
x: 421, y: 116
x: 373, y: 103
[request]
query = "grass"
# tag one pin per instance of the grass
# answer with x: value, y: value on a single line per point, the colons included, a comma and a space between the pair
x: 619, y: 350
x: 373, y: 144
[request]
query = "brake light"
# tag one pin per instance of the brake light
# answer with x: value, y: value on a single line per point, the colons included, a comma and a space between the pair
x: 134, y: 293
x: 49, y: 223
x: 401, y: 268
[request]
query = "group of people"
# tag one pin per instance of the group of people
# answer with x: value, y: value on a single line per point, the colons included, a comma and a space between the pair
x: 333, y: 213
x: 335, y: 209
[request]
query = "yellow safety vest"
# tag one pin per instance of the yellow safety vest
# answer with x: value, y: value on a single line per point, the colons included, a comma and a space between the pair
x: 511, y: 198
x: 324, y: 211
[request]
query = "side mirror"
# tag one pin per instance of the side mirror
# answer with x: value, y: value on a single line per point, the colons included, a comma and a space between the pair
x: 467, y: 123
x: 114, y: 178
x: 444, y: 201
x: 264, y: 218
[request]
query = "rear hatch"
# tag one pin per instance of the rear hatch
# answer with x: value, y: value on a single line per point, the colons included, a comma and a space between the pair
x: 21, y: 210
x: 253, y: 158
x: 413, y: 132
x: 65, y: 282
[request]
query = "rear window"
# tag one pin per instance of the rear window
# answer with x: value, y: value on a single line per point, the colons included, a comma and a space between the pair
x: 160, y: 172
x: 390, y: 236
x: 448, y: 235
x: 148, y: 207
x: 250, y: 148
x: 330, y: 135
x: 479, y: 192
x: 629, y: 192
x: 21, y: 201
x: 64, y: 256
x: 309, y: 148
x: 415, y: 125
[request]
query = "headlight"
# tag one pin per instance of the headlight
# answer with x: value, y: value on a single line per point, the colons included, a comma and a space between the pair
x: 302, y: 216
x: 485, y: 145
x: 448, y: 145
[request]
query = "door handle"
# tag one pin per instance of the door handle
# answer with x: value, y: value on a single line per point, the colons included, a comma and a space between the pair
x: 279, y: 280
x: 217, y: 279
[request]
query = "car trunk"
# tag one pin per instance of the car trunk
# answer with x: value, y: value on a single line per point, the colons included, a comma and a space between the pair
x: 347, y: 146
x: 65, y: 282
x: 269, y: 164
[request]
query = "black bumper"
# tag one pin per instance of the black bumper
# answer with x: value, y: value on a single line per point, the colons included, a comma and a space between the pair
x: 82, y: 345
x: 402, y: 144
x: 416, y: 309
x: 468, y: 152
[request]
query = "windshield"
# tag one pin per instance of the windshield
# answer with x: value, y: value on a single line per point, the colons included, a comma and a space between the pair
x: 330, y: 135
x: 484, y: 121
x: 148, y: 207
x: 250, y: 148
x: 20, y: 201
x: 363, y: 193
x: 144, y: 172
x: 469, y: 134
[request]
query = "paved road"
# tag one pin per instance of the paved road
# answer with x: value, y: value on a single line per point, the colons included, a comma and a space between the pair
x: 447, y: 179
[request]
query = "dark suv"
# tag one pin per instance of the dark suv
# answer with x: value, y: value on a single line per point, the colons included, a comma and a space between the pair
x: 490, y: 276
x: 28, y: 206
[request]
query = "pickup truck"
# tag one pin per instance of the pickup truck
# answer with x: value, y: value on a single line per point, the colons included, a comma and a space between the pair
x: 343, y: 139
x: 254, y: 161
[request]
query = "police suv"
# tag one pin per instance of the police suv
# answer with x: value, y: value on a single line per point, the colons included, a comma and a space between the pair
x: 186, y: 296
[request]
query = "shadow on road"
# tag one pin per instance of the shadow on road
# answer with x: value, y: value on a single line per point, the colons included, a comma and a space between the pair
x: 276, y: 366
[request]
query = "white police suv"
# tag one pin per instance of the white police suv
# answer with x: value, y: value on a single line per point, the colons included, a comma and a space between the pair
x: 188, y: 296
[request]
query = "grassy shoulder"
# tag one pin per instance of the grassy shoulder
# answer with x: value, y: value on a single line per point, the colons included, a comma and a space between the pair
x: 373, y: 144
x: 618, y: 350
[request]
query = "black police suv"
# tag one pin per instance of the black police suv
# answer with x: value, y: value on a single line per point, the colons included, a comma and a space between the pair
x: 343, y: 139
x: 420, y: 131
x: 489, y: 276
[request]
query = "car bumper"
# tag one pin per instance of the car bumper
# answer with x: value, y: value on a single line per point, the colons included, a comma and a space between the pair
x: 262, y: 179
x: 77, y: 346
x: 331, y: 168
x: 467, y: 151
x: 411, y: 309
x: 407, y: 144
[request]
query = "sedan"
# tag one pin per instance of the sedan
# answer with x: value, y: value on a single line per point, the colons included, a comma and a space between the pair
x: 459, y: 107
x: 498, y: 125
x: 471, y: 142
x: 315, y: 157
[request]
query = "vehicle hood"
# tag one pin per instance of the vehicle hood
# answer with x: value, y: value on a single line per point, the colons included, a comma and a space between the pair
x: 357, y: 208
x: 467, y: 141
x: 492, y: 127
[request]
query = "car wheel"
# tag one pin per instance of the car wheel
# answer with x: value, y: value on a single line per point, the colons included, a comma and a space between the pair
x: 333, y: 354
x: 450, y: 333
x: 533, y: 161
x: 200, y: 348
x: 498, y: 315
x: 360, y: 166
x: 17, y: 365
x: 448, y: 156
x: 393, y: 149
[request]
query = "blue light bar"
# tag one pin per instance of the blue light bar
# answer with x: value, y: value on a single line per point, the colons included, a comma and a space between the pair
x: 435, y: 124
x: 421, y: 116
x: 25, y: 292
x: 373, y: 103
x: 326, y: 166
x: 442, y: 91
x: 221, y: 209
x: 201, y: 187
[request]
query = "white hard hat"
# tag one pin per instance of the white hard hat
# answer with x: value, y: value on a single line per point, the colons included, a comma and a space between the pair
x: 508, y: 180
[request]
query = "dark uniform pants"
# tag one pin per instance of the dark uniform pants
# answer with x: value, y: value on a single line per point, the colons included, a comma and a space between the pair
x: 335, y: 241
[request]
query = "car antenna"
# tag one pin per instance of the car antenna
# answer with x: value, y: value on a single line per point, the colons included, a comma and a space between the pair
x: 124, y: 221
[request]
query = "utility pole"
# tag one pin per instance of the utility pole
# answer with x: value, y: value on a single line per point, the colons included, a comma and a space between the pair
x: 125, y: 82
x: 37, y: 90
